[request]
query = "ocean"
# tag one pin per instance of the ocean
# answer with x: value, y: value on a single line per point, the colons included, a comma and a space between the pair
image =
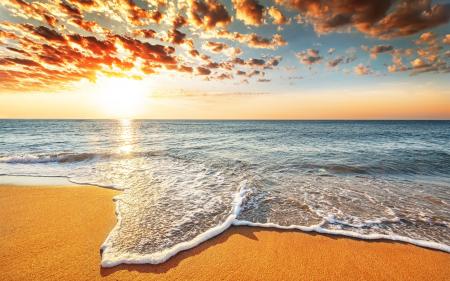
x: 183, y: 182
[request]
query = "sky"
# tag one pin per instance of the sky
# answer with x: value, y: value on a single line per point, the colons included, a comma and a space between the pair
x: 238, y: 59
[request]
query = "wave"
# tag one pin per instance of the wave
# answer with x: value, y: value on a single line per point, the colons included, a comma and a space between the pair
x: 72, y: 157
x: 51, y: 158
x: 412, y: 165
x: 110, y: 260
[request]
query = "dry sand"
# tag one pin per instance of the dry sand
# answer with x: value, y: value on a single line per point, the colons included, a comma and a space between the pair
x: 54, y: 233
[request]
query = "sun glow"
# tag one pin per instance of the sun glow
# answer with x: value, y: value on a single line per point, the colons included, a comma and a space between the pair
x: 122, y: 97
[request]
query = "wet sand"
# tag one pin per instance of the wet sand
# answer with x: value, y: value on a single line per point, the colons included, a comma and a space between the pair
x: 54, y: 233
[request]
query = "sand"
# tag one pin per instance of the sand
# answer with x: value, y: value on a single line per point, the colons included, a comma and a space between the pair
x: 54, y: 233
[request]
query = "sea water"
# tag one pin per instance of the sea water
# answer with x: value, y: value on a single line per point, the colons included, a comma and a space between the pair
x: 183, y: 182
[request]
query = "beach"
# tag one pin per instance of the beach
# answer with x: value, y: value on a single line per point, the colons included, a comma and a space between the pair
x: 55, y: 233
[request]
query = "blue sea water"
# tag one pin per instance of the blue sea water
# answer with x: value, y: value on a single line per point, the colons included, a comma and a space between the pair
x: 183, y: 182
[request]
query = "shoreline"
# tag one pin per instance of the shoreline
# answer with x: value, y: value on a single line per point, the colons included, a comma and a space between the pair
x: 52, y: 233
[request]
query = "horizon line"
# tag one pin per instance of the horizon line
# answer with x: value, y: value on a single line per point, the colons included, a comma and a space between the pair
x: 212, y: 119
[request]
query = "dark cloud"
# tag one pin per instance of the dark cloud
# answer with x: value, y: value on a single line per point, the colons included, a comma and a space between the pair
x: 273, y: 62
x: 177, y: 37
x: 46, y: 33
x: 215, y: 47
x: 224, y: 76
x: 254, y: 40
x: 146, y: 33
x: 255, y: 73
x: 179, y: 21
x: 335, y: 62
x: 255, y: 62
x: 138, y: 15
x: 208, y: 14
x: 203, y: 71
x: 377, y: 49
x: 309, y: 57
x: 380, y: 18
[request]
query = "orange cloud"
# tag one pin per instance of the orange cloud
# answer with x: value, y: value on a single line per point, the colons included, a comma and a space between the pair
x: 249, y: 11
x: 277, y: 16
x: 208, y: 14
x: 361, y: 69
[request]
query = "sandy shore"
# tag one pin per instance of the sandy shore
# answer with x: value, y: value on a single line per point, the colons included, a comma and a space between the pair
x: 54, y: 233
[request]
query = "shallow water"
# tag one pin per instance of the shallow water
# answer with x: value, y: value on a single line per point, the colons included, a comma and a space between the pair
x: 186, y: 181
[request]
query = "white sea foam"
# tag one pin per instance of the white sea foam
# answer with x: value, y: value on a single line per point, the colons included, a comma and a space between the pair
x: 49, y: 158
x: 319, y: 229
x: 109, y: 259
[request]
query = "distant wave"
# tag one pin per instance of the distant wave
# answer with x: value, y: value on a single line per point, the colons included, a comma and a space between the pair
x: 49, y: 158
x: 432, y: 163
x: 72, y: 157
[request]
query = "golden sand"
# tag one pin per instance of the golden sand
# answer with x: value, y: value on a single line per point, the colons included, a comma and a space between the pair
x: 54, y: 233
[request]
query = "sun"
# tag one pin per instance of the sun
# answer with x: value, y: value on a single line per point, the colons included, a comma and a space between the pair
x: 122, y: 97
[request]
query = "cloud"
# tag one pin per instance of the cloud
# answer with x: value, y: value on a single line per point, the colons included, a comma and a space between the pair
x: 203, y: 71
x: 309, y: 57
x: 179, y: 21
x: 426, y: 38
x: 249, y: 11
x: 382, y: 18
x: 177, y: 37
x: 222, y: 48
x: 208, y: 14
x: 377, y: 49
x: 32, y: 10
x: 253, y: 40
x: 397, y: 60
x: 76, y: 17
x: 335, y: 62
x: 361, y: 69
x: 215, y: 47
x: 446, y: 39
x: 224, y: 76
x: 138, y: 15
x: 66, y: 58
x: 255, y: 73
x: 419, y: 63
x: 51, y: 44
x: 146, y: 33
x: 273, y: 62
x: 255, y: 62
x: 277, y: 16
x: 256, y: 41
